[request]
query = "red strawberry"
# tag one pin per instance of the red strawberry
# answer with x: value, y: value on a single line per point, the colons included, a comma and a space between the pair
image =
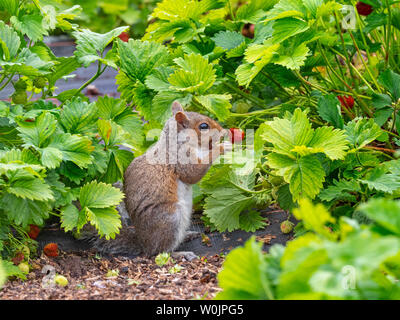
x: 51, y: 250
x: 364, y: 9
x: 237, y: 135
x: 346, y: 101
x: 33, y: 231
x: 19, y: 257
x: 124, y: 36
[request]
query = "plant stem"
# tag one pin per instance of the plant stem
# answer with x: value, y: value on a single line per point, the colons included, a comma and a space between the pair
x: 98, y: 74
x: 7, y: 82
x: 250, y: 97
x: 365, y: 66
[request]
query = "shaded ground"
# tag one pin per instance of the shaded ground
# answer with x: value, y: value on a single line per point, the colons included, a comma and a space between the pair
x: 137, y: 278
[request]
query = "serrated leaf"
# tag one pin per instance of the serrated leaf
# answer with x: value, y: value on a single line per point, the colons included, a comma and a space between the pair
x: 217, y: 104
x: 26, y: 186
x: 39, y: 132
x: 24, y: 211
x: 71, y: 218
x: 292, y: 58
x: 379, y: 180
x: 362, y: 132
x: 340, y: 190
x: 139, y: 58
x: 251, y: 220
x: 288, y: 27
x: 99, y: 195
x: 90, y: 45
x: 10, y: 42
x: 243, y: 275
x: 195, y: 74
x: 305, y: 175
x: 329, y: 110
x: 74, y: 148
x: 78, y: 116
x: 228, y: 39
x: 314, y: 217
x: 107, y: 221
x: 30, y: 25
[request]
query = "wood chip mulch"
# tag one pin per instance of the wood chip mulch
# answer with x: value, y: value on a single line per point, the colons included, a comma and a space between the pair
x: 91, y: 277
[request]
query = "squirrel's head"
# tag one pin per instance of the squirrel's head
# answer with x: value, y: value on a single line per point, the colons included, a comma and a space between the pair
x: 195, y: 125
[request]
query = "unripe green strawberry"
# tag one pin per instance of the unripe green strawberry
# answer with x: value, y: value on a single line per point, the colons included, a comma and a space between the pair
x: 242, y: 107
x: 276, y: 181
x: 61, y: 280
x: 24, y: 267
x: 286, y: 226
x: 19, y: 97
x: 40, y: 82
x: 20, y: 85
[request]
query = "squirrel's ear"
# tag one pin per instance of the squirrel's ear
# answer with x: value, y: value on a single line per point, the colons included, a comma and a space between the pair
x: 182, y: 119
x: 176, y: 107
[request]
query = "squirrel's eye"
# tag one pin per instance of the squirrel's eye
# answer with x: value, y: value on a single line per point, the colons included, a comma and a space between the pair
x: 203, y: 126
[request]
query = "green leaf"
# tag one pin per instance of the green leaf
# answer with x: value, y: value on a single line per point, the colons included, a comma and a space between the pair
x: 288, y: 27
x: 362, y: 132
x: 91, y: 45
x: 9, y: 42
x: 65, y: 66
x: 11, y: 6
x: 314, y: 217
x: 78, y: 116
x: 257, y: 56
x: 26, y: 186
x: 379, y: 180
x: 329, y: 110
x: 11, y: 270
x: 139, y: 58
x: 99, y: 195
x: 251, y: 220
x: 24, y: 211
x: 292, y: 58
x: 123, y: 116
x: 51, y: 157
x: 391, y: 82
x: 304, y: 175
x: 340, y: 190
x: 107, y: 221
x: 217, y: 104
x: 286, y: 8
x: 296, y: 135
x: 30, y: 25
x: 224, y: 205
x: 244, y: 274
x: 74, y: 148
x: 196, y: 74
x: 384, y: 212
x: 39, y: 132
x: 228, y: 39
x: 71, y: 218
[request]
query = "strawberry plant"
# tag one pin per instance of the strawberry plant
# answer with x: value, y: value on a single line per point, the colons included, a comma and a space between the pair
x: 311, y: 97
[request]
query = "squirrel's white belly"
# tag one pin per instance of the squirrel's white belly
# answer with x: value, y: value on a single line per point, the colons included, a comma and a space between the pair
x: 183, y: 211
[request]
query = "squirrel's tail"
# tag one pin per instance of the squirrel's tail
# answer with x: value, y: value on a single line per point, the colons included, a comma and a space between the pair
x: 124, y: 244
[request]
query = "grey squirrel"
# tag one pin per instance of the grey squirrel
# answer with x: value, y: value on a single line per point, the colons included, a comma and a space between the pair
x: 158, y: 185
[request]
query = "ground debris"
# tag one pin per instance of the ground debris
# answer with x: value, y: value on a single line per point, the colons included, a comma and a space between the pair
x: 138, y: 279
